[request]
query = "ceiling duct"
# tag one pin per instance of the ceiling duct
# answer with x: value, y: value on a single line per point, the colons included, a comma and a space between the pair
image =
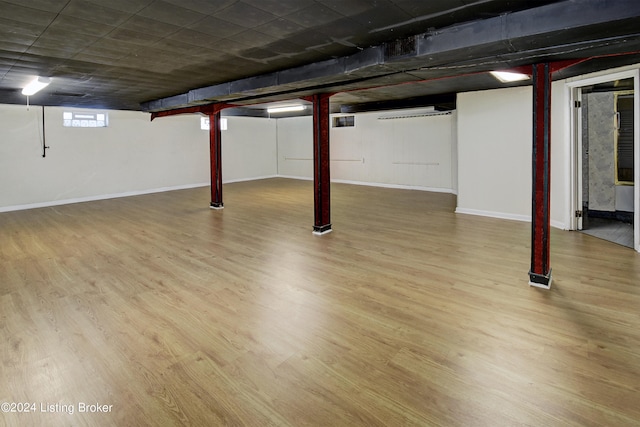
x: 401, y: 48
x: 422, y: 112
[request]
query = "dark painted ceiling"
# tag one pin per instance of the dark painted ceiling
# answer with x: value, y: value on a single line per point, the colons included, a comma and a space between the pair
x: 157, y: 55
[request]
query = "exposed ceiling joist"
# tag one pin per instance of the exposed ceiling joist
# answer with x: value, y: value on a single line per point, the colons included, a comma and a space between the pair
x: 159, y: 55
x: 505, y: 41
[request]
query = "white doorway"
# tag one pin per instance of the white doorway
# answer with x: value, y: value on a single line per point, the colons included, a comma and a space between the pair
x: 605, y: 157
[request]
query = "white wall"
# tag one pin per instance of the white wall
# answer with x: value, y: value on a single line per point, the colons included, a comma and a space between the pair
x: 560, y: 154
x: 482, y: 152
x: 295, y: 147
x: 92, y: 163
x: 248, y: 149
x: 494, y: 152
x: 131, y: 156
x: 411, y: 152
x: 495, y: 125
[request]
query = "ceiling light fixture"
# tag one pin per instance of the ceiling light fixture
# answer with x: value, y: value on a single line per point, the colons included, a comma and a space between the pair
x: 509, y: 76
x: 285, y: 109
x: 36, y: 85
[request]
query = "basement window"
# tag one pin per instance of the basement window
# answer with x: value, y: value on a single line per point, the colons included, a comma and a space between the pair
x: 83, y: 119
x: 205, y: 125
x: 344, y: 122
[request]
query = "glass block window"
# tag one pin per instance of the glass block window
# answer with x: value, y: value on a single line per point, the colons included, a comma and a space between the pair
x: 204, y: 123
x: 79, y: 119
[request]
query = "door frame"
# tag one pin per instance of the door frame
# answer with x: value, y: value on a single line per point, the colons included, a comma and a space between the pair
x: 574, y: 89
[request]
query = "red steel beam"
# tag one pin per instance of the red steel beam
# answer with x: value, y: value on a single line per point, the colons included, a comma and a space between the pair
x: 215, y: 157
x: 215, y: 143
x: 321, y: 163
x: 540, y: 273
x: 202, y: 109
x: 207, y: 110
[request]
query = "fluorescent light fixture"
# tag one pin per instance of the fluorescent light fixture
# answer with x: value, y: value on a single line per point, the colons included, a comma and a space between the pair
x: 285, y: 109
x: 509, y: 76
x: 35, y: 85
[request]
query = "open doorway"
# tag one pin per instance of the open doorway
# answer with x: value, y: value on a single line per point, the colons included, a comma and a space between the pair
x: 605, y: 141
x: 607, y: 161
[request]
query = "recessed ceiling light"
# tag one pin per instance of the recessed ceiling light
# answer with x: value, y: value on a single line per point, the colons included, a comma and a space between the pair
x: 509, y: 76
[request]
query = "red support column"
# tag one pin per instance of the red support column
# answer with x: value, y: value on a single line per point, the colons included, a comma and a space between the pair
x: 215, y: 143
x: 321, y: 166
x: 215, y: 153
x: 540, y: 273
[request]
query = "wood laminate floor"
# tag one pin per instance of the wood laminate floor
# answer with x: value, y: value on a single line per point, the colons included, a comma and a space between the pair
x: 406, y: 314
